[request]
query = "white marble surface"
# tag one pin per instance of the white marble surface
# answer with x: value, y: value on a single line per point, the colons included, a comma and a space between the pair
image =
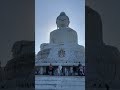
x: 73, y: 53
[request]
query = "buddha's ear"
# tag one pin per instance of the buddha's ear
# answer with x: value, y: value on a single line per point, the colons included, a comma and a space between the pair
x: 68, y: 23
x: 56, y: 21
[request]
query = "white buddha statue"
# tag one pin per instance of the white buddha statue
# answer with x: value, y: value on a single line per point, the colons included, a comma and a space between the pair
x: 63, y: 34
x: 63, y: 46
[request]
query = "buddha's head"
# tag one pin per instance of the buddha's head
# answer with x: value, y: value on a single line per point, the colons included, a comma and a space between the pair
x: 62, y: 20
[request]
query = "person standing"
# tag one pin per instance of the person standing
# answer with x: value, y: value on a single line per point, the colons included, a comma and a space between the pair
x: 50, y: 69
x: 59, y: 70
x: 71, y: 71
x: 74, y: 69
x: 79, y: 69
x: 66, y: 71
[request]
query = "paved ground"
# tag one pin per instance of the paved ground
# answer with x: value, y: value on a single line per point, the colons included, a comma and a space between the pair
x: 59, y: 82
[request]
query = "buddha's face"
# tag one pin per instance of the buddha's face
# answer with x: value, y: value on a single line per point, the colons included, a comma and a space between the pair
x: 62, y: 21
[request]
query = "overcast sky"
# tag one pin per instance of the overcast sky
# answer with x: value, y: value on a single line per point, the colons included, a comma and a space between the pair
x: 46, y: 12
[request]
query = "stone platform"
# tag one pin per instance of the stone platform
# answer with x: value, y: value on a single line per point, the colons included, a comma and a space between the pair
x: 59, y: 82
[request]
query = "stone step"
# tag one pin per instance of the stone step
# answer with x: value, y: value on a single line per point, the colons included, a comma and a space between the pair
x: 59, y: 87
x: 76, y: 78
x: 59, y: 83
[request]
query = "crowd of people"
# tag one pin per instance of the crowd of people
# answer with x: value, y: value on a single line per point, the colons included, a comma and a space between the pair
x: 62, y: 70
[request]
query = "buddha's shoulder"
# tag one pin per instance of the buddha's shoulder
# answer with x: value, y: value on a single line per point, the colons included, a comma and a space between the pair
x: 63, y: 30
x: 54, y: 31
x: 71, y: 30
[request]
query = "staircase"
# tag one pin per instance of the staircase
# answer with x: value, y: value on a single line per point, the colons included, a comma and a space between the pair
x: 59, y: 82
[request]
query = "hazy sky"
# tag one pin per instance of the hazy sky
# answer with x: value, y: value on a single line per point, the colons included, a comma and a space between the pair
x: 46, y: 12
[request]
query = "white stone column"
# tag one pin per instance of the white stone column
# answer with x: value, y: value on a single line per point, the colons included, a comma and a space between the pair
x: 41, y: 70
